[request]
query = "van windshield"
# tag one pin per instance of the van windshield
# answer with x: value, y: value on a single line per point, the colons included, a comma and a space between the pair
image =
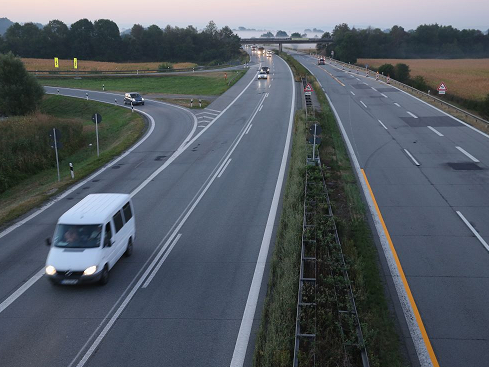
x: 77, y: 236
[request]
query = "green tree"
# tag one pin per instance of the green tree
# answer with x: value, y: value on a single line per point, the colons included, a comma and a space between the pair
x: 387, y: 70
x: 106, y: 40
x: 56, y: 39
x: 281, y: 34
x: 402, y: 72
x: 267, y: 35
x: 20, y: 92
x: 295, y: 35
x: 25, y: 40
x: 81, y: 39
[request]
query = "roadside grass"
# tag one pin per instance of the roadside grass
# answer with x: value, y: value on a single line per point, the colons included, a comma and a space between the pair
x: 118, y: 131
x: 87, y: 65
x: 212, y: 83
x: 466, y: 78
x: 275, y: 340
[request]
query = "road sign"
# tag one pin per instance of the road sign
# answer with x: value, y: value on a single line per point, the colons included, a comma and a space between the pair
x: 75, y: 63
x: 56, y: 62
x: 307, y: 93
x: 442, y: 88
x: 96, y: 118
x: 308, y: 88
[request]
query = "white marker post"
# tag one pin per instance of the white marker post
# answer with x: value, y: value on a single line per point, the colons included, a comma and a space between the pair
x: 191, y: 102
x: 71, y: 171
x: 87, y: 96
x: 103, y: 87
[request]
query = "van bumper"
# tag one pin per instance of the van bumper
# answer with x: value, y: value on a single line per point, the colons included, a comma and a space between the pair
x: 74, y: 278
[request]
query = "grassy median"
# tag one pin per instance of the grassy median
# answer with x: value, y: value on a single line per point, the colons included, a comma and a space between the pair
x: 28, y: 163
x: 212, y: 83
x: 275, y: 341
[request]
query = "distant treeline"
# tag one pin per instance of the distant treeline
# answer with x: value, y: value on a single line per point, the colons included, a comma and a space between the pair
x: 102, y: 41
x: 426, y: 41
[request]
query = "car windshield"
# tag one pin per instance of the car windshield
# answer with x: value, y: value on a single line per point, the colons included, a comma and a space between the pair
x: 77, y: 236
x: 135, y: 95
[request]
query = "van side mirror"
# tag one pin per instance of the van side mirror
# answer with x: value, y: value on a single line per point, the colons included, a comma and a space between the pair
x: 48, y: 241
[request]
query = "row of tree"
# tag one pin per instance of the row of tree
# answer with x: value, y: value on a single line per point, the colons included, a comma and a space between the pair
x: 426, y: 41
x: 101, y: 40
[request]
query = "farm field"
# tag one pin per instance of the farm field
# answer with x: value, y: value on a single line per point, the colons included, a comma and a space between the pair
x: 467, y: 78
x: 48, y: 64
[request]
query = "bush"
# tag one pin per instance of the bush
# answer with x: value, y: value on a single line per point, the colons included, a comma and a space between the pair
x: 387, y: 70
x: 419, y: 83
x: 401, y: 72
x: 165, y: 66
x: 485, y: 107
x: 20, y: 92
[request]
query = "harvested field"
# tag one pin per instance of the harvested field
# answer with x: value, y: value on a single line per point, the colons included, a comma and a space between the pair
x: 48, y: 64
x: 467, y: 78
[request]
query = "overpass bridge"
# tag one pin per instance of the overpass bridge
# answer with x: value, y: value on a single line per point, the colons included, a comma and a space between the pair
x: 283, y: 40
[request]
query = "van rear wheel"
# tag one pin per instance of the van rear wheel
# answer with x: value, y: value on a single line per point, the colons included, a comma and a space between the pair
x: 104, y: 279
x: 129, y: 248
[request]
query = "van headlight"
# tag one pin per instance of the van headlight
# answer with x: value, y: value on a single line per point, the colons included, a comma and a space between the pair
x: 50, y: 270
x: 91, y: 270
x: 142, y: 99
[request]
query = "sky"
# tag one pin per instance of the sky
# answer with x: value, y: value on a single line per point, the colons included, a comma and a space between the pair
x: 289, y: 15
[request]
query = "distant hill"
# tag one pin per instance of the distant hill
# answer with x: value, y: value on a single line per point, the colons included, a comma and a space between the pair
x: 4, y: 24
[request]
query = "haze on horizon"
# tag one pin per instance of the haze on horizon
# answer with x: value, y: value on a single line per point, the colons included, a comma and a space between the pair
x: 270, y: 14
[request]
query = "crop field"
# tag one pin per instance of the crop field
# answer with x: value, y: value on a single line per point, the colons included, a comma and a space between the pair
x: 467, y: 78
x: 48, y: 64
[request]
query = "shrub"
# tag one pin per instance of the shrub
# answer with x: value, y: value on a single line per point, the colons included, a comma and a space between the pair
x: 485, y: 107
x: 402, y: 72
x: 387, y: 70
x: 165, y: 66
x: 20, y: 92
x: 419, y: 83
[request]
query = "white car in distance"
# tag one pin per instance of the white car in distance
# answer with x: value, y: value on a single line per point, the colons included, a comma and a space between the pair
x: 262, y: 74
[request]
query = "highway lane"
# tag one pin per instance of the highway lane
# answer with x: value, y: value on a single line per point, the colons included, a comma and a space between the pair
x: 428, y: 172
x: 191, y: 310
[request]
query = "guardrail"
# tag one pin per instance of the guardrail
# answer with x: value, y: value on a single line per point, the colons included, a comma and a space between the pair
x: 391, y: 81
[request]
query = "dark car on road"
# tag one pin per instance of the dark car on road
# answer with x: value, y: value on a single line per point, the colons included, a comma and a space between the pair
x: 134, y: 98
x: 266, y: 69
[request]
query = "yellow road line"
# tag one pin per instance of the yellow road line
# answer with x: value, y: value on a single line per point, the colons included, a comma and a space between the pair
x: 422, y: 329
x: 332, y: 76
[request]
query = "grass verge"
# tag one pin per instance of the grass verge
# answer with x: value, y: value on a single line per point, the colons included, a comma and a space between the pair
x: 275, y: 340
x: 118, y: 131
x: 212, y: 83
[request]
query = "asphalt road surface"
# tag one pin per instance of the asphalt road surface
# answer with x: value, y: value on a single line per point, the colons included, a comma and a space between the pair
x: 206, y: 190
x: 429, y: 175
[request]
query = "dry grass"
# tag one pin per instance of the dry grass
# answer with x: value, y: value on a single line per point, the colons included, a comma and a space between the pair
x: 48, y: 64
x: 467, y: 78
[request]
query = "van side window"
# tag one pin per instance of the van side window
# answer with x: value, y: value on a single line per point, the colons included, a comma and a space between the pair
x: 127, y: 212
x: 118, y: 221
x: 108, y: 234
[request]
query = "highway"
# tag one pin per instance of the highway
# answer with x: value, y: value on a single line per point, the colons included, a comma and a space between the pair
x: 206, y: 186
x: 428, y: 175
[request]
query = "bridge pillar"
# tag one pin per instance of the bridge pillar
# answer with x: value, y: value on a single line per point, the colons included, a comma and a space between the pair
x: 279, y: 47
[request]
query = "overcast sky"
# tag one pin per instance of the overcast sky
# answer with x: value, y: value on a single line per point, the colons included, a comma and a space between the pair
x: 260, y: 14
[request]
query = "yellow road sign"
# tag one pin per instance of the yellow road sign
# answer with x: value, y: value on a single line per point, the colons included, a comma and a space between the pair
x: 56, y: 63
x: 75, y: 63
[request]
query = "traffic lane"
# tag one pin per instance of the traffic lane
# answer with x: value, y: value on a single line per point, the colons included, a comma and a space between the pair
x: 23, y: 250
x: 213, y: 262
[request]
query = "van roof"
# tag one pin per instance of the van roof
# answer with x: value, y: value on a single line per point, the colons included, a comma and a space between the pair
x: 94, y: 209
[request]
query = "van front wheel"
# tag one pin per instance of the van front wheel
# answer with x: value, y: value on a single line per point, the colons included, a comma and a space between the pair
x: 129, y: 248
x: 104, y: 279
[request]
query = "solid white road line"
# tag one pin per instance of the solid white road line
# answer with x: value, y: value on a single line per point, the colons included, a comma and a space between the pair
x: 363, y: 104
x: 383, y: 95
x: 385, y: 127
x: 357, y: 79
x: 21, y: 290
x: 224, y: 168
x: 157, y: 267
x: 435, y: 131
x: 473, y: 230
x: 411, y: 156
x: 209, y: 109
x: 352, y: 93
x: 260, y: 108
x: 397, y: 104
x: 251, y: 303
x: 412, y: 114
x: 248, y: 129
x: 468, y: 155
x: 374, y: 89
x: 201, y: 126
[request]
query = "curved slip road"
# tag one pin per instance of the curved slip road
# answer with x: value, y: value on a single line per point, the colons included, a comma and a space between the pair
x: 204, y: 225
x: 429, y: 175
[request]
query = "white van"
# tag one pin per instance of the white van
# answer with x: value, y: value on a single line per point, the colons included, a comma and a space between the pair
x: 90, y: 238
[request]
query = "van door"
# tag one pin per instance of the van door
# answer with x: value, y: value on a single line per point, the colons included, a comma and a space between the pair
x: 120, y: 235
x: 108, y: 247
